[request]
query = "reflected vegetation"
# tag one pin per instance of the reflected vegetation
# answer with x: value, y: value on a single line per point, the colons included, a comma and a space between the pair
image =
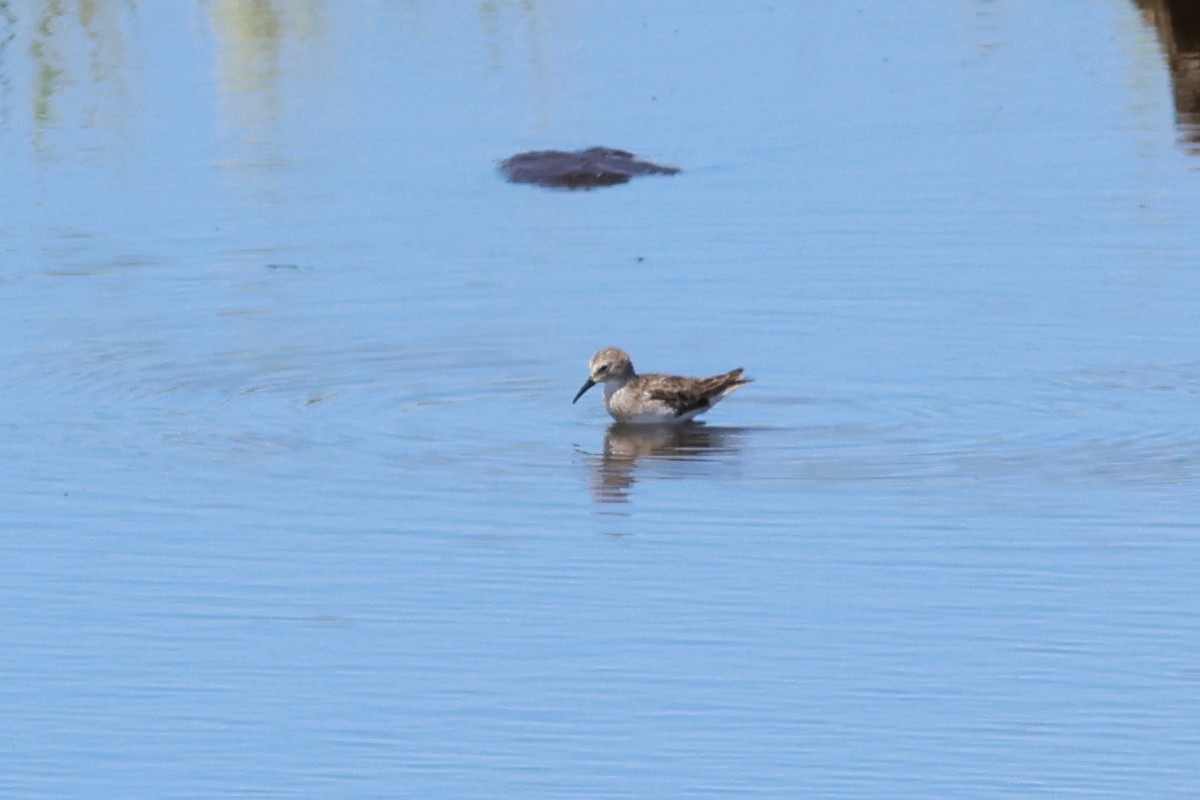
x: 83, y: 59
x: 536, y: 29
x: 253, y: 35
x: 626, y: 447
x: 75, y: 63
x: 87, y: 49
x: 81, y: 47
x: 8, y: 34
x: 1177, y: 23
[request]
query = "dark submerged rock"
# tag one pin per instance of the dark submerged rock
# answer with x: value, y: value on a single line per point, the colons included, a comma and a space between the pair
x: 581, y: 169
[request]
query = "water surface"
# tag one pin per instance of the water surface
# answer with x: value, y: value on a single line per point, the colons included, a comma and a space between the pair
x: 295, y: 502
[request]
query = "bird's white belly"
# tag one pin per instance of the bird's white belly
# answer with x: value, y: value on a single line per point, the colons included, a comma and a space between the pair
x: 630, y: 405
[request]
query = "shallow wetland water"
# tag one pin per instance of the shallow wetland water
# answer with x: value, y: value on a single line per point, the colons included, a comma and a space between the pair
x: 295, y: 501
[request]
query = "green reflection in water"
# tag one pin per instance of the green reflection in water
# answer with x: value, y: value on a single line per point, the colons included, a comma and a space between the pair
x: 253, y: 40
x: 78, y: 68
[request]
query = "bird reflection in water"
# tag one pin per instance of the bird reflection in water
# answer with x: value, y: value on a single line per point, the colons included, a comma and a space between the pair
x: 628, y: 446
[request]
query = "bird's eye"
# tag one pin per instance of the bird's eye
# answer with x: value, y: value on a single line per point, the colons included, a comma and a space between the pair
x: 603, y: 368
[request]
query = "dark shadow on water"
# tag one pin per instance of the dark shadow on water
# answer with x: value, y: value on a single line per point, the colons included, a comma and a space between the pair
x: 1177, y: 23
x: 629, y: 447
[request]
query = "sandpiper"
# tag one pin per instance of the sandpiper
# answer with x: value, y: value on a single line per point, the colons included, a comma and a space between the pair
x: 654, y: 399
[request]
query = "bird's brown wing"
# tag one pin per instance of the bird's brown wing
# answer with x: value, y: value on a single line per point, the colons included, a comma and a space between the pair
x: 685, y: 396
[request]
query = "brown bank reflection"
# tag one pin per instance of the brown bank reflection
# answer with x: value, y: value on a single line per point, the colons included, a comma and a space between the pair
x: 1178, y: 25
x: 632, y: 449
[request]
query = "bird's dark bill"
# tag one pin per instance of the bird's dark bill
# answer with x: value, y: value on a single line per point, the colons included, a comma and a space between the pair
x: 587, y: 385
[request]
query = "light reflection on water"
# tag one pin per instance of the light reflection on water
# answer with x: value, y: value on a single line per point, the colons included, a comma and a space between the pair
x: 295, y: 500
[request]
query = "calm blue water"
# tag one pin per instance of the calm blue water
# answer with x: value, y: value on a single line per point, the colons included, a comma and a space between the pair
x: 294, y: 502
